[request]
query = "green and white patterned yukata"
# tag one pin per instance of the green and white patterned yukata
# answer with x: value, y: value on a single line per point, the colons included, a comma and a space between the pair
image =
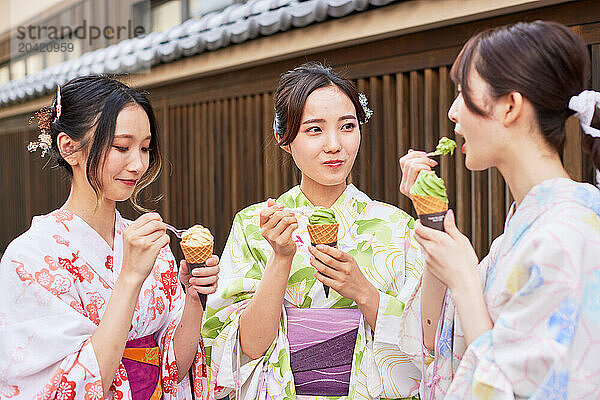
x: 380, y: 237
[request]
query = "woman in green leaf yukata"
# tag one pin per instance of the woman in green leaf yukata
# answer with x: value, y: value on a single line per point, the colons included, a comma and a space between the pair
x: 271, y: 331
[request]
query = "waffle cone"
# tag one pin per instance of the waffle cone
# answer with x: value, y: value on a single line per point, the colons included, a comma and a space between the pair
x: 323, y: 234
x: 428, y: 204
x: 197, y: 254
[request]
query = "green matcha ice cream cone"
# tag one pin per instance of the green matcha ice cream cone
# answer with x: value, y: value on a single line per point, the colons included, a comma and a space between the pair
x: 429, y: 197
x: 323, y: 229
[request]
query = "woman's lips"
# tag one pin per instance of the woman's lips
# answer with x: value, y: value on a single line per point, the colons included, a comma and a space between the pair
x: 128, y: 182
x: 333, y: 163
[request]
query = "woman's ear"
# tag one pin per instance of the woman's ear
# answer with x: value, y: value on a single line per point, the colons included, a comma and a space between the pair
x: 512, y: 108
x: 68, y: 148
x: 286, y: 147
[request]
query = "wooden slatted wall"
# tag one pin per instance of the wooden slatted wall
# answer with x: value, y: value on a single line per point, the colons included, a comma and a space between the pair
x: 224, y: 158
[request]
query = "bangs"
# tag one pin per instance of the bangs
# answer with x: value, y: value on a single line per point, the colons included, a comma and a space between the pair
x: 462, y: 67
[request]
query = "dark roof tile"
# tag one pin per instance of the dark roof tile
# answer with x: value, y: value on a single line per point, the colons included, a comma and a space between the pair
x: 235, y: 24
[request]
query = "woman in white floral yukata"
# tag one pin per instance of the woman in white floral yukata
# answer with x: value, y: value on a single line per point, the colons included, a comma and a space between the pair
x: 271, y: 331
x: 523, y: 323
x: 91, y: 305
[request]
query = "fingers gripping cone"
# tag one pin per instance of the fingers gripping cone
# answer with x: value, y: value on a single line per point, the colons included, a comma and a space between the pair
x: 323, y: 234
x: 196, y: 255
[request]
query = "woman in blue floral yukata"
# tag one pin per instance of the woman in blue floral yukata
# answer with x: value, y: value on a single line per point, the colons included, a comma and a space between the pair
x: 270, y: 330
x: 523, y: 323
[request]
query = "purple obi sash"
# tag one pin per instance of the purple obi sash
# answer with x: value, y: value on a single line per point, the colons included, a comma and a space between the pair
x: 141, y: 360
x: 322, y: 342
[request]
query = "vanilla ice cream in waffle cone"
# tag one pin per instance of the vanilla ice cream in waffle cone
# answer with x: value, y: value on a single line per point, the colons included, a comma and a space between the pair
x: 429, y: 197
x: 323, y: 229
x: 197, y: 245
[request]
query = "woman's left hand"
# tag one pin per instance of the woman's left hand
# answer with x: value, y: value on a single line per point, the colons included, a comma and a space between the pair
x: 341, y: 272
x: 449, y: 255
x: 202, y: 280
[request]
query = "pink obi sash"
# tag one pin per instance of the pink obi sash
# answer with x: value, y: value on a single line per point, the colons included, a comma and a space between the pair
x: 141, y: 360
x: 322, y: 342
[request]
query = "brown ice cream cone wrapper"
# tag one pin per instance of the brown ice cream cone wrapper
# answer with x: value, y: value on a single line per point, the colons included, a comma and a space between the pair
x: 431, y: 210
x: 323, y: 234
x: 196, y: 257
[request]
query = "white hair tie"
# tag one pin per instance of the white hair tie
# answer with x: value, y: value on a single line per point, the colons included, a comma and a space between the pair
x: 587, y: 110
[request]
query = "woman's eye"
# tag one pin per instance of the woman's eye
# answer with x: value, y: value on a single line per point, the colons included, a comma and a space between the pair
x: 122, y: 149
x: 349, y: 126
x: 146, y: 149
x: 313, y: 129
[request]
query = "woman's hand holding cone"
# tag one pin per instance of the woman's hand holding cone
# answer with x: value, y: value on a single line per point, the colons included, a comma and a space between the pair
x: 449, y: 255
x: 411, y: 164
x: 340, y: 271
x: 277, y: 226
x: 202, y: 280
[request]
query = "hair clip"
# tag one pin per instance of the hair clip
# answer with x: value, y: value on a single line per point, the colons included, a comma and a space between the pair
x: 58, y: 105
x: 44, y: 116
x: 364, y: 102
x: 276, y: 129
x: 44, y: 142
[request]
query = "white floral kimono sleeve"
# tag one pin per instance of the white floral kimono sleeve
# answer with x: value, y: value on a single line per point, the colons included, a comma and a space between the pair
x: 60, y: 357
x: 529, y: 352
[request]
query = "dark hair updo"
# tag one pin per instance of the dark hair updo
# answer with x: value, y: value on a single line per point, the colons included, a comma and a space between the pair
x: 544, y: 61
x: 90, y: 106
x: 294, y: 88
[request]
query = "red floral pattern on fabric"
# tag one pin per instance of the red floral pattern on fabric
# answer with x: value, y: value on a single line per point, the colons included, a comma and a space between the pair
x: 170, y: 381
x: 150, y: 293
x: 22, y: 273
x: 80, y: 273
x: 61, y: 285
x: 62, y: 216
x: 68, y: 265
x: 53, y: 265
x: 78, y: 306
x: 86, y: 272
x: 93, y: 391
x: 44, y: 278
x: 160, y: 305
x: 65, y: 390
x: 7, y: 391
x: 49, y: 389
x: 169, y: 282
x: 120, y: 376
x: 60, y: 240
x: 198, y: 388
x: 109, y: 263
x: 96, y: 302
x: 200, y: 374
x: 54, y: 283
